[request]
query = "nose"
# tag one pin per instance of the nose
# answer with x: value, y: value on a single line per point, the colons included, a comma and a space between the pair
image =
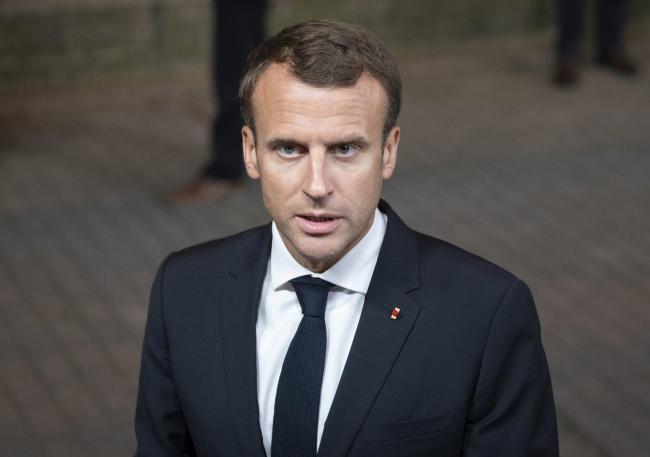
x: 318, y: 183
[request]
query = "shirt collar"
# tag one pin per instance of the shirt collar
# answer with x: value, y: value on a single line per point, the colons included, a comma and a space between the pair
x: 352, y: 272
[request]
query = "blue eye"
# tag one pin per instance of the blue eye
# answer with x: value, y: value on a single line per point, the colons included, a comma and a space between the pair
x: 288, y: 150
x: 345, y: 149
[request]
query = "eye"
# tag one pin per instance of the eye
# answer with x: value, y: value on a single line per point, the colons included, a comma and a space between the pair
x: 287, y: 150
x: 345, y: 150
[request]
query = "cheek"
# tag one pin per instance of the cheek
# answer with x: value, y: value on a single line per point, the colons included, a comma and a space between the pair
x: 364, y: 185
x: 364, y: 192
x: 277, y: 193
x: 271, y: 198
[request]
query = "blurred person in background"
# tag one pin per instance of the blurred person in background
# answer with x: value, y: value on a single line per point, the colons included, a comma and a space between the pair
x: 610, y: 49
x: 237, y: 28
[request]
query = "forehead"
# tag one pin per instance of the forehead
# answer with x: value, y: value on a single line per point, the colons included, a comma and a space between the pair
x: 281, y: 98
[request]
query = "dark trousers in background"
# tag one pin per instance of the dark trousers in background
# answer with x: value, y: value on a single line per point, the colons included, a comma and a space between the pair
x: 610, y: 18
x: 238, y: 27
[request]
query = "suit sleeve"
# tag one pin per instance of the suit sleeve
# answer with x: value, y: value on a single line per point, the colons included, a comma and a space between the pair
x: 160, y: 427
x: 512, y: 412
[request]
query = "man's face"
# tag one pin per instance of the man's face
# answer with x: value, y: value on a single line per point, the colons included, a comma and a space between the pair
x: 319, y: 155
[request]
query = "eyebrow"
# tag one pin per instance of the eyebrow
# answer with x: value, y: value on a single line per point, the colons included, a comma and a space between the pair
x: 357, y: 140
x: 276, y: 142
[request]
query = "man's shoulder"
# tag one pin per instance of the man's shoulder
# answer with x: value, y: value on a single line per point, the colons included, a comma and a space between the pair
x: 457, y: 266
x: 220, y: 255
x: 441, y: 263
x: 464, y: 288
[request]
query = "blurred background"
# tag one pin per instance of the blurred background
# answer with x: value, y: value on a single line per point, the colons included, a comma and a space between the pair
x: 106, y: 107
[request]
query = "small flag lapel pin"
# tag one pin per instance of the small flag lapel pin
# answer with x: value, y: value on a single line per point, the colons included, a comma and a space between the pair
x: 394, y: 311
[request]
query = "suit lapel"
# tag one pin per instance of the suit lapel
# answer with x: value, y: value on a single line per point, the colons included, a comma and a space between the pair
x: 238, y: 315
x: 378, y: 339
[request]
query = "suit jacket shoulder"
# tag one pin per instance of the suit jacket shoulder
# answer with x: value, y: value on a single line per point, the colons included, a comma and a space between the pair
x: 193, y: 278
x: 453, y: 270
x: 218, y: 257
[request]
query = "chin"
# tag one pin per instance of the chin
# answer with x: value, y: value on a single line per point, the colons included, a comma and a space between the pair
x: 320, y: 259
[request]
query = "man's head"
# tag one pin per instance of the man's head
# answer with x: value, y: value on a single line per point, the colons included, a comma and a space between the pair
x: 320, y: 103
x: 325, y: 54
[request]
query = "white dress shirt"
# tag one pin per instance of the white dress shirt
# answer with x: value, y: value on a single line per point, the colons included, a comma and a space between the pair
x: 280, y: 314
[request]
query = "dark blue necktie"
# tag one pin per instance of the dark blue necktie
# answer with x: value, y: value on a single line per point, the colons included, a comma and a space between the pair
x: 295, y: 417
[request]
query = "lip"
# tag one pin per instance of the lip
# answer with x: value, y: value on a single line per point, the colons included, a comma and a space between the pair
x: 317, y: 224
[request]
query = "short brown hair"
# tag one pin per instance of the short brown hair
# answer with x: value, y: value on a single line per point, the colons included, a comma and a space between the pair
x: 325, y: 53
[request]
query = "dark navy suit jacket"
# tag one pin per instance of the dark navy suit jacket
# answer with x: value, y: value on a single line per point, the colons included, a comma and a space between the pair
x: 461, y: 372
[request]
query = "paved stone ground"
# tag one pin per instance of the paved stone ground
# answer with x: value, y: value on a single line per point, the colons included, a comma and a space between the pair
x: 551, y: 184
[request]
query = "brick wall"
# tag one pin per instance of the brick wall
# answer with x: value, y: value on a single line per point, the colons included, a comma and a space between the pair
x: 65, y: 39
x: 54, y: 41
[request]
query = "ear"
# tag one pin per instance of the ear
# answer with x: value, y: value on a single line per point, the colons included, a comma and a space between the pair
x: 389, y: 156
x: 250, y: 152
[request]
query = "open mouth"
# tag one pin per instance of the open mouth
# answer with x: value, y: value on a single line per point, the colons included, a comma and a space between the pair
x: 318, y: 225
x: 318, y: 219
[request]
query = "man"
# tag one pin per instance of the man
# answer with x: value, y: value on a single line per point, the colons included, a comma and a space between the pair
x: 336, y: 329
x: 610, y: 49
x: 238, y: 28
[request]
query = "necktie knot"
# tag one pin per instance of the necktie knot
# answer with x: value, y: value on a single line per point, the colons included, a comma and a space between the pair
x: 312, y: 294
